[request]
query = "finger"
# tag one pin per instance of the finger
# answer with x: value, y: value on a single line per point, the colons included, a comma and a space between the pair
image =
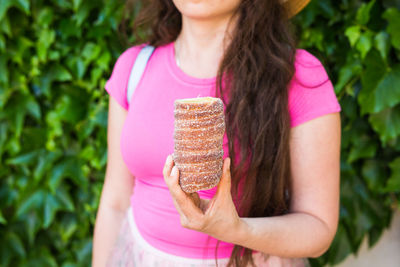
x: 172, y: 181
x: 175, y: 189
x: 171, y: 178
x: 187, y: 204
x: 168, y: 166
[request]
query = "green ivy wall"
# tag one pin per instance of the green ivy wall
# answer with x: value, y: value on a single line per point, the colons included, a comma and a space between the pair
x: 55, y: 56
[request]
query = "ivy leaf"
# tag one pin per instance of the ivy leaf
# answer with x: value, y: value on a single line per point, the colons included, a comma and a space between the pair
x: 364, y: 43
x: 45, y: 17
x: 5, y: 26
x: 387, y: 93
x: 43, y: 258
x: 386, y: 123
x: 70, y: 108
x: 24, y: 159
x: 51, y: 206
x: 60, y: 74
x: 2, y: 219
x: 392, y: 15
x: 65, y: 199
x: 64, y: 5
x: 76, y: 4
x: 326, y: 8
x: 69, y: 167
x: 393, y: 184
x: 17, y: 107
x: 3, y: 69
x: 83, y: 250
x: 363, y: 147
x: 68, y: 225
x: 32, y: 139
x: 349, y: 108
x: 58, y: 172
x: 2, y: 43
x: 353, y: 34
x: 381, y: 43
x: 91, y: 52
x: 33, y: 107
x: 104, y: 60
x: 83, y: 11
x: 54, y: 73
x: 69, y: 29
x: 363, y: 12
x: 381, y: 88
x: 374, y: 175
x: 46, y: 38
x: 77, y: 66
x: 3, y: 138
x: 23, y: 44
x: 13, y: 240
x: 340, y: 246
x: 4, y: 6
x: 346, y: 73
x: 33, y: 224
x: 23, y: 5
x: 45, y: 162
x: 363, y: 223
x: 370, y: 77
x: 33, y: 202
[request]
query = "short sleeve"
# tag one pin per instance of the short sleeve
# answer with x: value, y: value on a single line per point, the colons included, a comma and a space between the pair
x: 117, y: 84
x: 311, y: 93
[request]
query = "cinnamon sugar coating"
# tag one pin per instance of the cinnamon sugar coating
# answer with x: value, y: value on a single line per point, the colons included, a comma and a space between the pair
x: 193, y: 144
x: 196, y: 114
x: 212, y: 132
x: 194, y: 181
x: 198, y: 136
x: 207, y: 166
x: 188, y: 157
x: 199, y: 103
x: 199, y: 123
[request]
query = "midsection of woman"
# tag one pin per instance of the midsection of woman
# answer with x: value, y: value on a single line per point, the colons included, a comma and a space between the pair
x: 147, y: 138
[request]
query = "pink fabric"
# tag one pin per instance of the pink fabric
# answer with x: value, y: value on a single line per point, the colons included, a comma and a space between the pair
x: 131, y: 250
x: 147, y: 138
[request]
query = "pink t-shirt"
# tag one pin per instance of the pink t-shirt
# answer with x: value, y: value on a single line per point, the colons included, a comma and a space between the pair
x: 147, y: 138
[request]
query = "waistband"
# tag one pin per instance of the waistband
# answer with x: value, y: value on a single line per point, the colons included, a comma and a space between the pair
x: 161, y: 254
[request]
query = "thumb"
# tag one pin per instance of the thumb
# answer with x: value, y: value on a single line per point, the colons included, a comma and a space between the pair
x: 224, y: 185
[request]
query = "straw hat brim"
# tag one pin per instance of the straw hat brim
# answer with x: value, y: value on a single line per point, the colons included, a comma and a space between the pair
x: 294, y: 6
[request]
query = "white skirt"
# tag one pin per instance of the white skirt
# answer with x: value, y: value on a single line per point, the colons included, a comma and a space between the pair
x: 131, y: 250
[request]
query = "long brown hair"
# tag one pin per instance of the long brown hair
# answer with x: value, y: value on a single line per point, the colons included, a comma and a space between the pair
x: 259, y: 61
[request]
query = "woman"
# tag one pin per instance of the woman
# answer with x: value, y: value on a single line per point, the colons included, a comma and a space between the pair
x: 277, y: 202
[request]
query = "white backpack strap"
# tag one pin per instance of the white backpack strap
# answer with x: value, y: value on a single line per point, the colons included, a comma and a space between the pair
x: 138, y: 69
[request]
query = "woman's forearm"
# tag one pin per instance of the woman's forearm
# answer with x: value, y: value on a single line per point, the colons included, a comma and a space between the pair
x: 294, y: 235
x: 108, y: 224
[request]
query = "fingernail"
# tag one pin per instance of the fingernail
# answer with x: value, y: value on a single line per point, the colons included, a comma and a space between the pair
x: 174, y: 171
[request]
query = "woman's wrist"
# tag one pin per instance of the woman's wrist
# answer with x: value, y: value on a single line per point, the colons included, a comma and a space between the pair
x: 241, y: 232
x: 285, y: 236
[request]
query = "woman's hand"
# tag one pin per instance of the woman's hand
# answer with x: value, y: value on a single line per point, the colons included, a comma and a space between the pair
x: 216, y: 217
